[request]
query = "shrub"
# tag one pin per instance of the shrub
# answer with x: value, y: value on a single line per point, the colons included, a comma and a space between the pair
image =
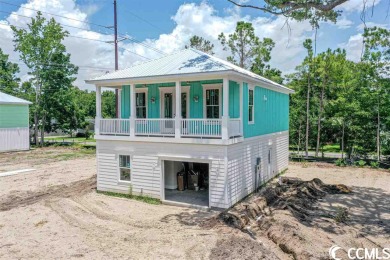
x: 80, y: 134
x: 374, y: 165
x: 342, y: 215
x: 88, y: 134
x: 341, y: 162
x: 360, y: 163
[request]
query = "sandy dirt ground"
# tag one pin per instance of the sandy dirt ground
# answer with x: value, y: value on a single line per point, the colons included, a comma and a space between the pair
x: 54, y: 212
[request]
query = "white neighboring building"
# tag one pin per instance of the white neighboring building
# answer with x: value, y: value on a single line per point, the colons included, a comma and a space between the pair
x: 191, y: 109
x: 14, y: 123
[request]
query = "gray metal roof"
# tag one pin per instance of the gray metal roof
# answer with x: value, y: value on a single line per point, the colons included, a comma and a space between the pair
x: 187, y: 61
x: 8, y: 99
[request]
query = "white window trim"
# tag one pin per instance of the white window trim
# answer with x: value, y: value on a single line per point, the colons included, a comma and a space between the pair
x: 119, y: 172
x: 142, y: 90
x: 253, y: 106
x: 212, y: 86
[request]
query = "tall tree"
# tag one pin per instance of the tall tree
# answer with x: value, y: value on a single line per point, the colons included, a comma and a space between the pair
x: 8, y: 70
x: 201, y: 44
x: 312, y: 10
x: 377, y: 63
x: 41, y: 49
x: 245, y: 47
x: 308, y: 62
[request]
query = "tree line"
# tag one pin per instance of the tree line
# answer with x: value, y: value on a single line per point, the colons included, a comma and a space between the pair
x: 336, y: 100
x: 57, y: 103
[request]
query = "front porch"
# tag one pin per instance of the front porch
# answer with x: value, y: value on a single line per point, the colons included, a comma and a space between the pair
x: 165, y: 127
x: 208, y: 109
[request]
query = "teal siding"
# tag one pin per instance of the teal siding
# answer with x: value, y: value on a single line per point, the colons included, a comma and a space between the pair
x: 13, y: 116
x: 270, y: 115
x: 125, y: 102
x: 153, y: 108
x: 196, y: 108
x: 234, y: 99
x: 196, y: 89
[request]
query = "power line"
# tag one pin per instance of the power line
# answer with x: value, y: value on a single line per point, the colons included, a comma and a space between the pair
x: 20, y: 6
x: 61, y: 65
x: 97, y: 40
x: 84, y: 29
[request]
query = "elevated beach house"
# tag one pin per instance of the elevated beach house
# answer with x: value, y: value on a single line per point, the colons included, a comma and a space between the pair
x: 14, y: 123
x: 193, y: 129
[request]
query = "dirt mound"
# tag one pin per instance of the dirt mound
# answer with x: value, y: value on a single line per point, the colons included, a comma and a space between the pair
x: 293, y: 195
x: 24, y: 198
x: 256, y: 215
x: 235, y: 247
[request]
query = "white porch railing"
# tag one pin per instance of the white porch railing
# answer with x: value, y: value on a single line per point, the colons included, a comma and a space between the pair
x: 114, y: 126
x: 155, y: 127
x: 235, y: 127
x: 201, y: 127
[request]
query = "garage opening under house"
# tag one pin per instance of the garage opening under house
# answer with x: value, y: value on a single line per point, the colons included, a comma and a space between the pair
x: 191, y: 110
x: 186, y: 183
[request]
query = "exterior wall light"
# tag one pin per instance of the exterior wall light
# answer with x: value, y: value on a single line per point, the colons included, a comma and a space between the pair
x: 196, y: 99
x: 265, y: 98
x: 153, y: 100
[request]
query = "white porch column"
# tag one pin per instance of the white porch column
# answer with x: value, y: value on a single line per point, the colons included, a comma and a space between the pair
x: 178, y: 110
x: 241, y: 88
x: 225, y: 111
x: 119, y: 103
x: 98, y: 109
x: 132, y: 110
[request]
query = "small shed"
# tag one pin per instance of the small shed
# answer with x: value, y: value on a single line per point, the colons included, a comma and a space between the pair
x: 14, y: 123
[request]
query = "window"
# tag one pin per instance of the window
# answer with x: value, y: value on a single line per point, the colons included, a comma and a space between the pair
x: 212, y: 103
x: 140, y: 104
x: 251, y: 112
x: 124, y: 168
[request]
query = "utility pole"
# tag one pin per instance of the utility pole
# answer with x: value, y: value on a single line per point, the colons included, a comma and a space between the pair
x: 116, y: 59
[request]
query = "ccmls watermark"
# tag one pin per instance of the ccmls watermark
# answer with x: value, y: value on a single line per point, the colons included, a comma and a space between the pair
x: 361, y: 253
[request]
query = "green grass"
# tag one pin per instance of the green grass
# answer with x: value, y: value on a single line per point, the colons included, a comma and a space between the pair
x: 329, y: 148
x: 145, y: 199
x: 69, y: 139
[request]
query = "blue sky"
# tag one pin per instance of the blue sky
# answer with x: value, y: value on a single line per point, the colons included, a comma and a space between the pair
x: 165, y: 26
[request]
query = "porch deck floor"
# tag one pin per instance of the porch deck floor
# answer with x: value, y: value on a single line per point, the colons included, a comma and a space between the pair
x: 192, y: 197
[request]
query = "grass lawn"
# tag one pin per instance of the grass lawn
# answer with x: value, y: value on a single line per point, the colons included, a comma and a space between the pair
x: 69, y: 139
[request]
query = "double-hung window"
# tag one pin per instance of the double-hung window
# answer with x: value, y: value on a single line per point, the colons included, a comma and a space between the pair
x: 124, y: 168
x: 213, y: 103
x: 140, y: 104
x: 251, y: 111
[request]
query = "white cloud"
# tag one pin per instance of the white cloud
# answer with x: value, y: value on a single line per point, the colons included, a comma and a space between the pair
x: 354, y: 47
x: 190, y: 19
x: 358, y: 5
x: 343, y: 23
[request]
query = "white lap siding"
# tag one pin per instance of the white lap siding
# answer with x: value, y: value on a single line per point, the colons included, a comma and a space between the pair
x: 14, y: 139
x: 241, y: 163
x: 146, y: 166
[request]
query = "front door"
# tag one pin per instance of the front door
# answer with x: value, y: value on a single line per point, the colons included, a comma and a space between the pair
x: 168, y: 108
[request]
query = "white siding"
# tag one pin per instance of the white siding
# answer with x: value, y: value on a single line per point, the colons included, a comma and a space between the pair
x: 242, y: 162
x: 147, y: 166
x: 14, y: 139
x: 237, y: 160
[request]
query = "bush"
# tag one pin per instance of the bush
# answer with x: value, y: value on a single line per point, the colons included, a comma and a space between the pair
x: 342, y: 215
x: 360, y: 163
x: 88, y: 134
x: 374, y: 165
x: 80, y: 134
x: 341, y: 162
